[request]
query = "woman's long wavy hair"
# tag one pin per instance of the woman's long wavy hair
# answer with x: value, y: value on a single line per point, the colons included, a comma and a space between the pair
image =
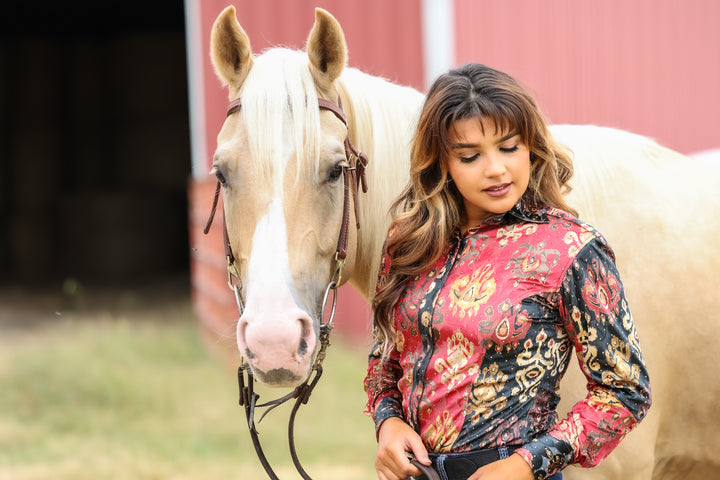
x: 431, y: 208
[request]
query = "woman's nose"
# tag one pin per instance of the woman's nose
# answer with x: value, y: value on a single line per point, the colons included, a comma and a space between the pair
x: 494, y: 165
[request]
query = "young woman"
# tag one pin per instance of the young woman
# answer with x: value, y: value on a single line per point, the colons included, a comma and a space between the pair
x: 488, y: 281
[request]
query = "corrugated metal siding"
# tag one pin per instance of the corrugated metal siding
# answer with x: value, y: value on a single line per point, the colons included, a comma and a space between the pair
x: 648, y: 66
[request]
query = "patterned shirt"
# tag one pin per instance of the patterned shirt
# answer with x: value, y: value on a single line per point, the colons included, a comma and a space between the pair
x: 485, y: 335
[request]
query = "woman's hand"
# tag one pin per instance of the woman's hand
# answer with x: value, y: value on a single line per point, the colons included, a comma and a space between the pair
x: 395, y: 440
x: 512, y: 468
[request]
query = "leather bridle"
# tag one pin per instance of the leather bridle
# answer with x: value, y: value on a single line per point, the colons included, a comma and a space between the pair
x: 354, y: 178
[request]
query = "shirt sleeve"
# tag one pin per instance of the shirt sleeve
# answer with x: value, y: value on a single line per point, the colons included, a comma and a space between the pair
x: 597, y: 318
x: 383, y: 374
x: 384, y: 397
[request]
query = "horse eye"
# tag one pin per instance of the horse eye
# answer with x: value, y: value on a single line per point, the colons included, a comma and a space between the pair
x: 220, y: 176
x: 335, y: 172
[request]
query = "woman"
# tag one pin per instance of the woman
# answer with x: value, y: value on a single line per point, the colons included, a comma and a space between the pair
x: 488, y: 280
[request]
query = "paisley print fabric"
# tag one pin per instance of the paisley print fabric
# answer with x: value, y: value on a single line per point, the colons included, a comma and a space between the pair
x: 486, y: 334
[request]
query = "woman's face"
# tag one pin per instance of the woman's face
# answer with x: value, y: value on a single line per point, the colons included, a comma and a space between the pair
x: 491, y: 169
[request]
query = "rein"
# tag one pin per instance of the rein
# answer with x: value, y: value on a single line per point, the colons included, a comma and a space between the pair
x: 353, y: 178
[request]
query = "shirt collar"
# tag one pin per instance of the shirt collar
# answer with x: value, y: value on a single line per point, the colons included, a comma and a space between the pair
x: 527, y: 209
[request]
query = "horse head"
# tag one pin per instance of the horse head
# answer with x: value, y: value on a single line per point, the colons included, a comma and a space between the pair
x: 281, y: 161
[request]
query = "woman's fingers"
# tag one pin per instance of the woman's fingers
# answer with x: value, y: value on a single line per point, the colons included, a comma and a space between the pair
x: 418, y: 449
x: 396, y: 439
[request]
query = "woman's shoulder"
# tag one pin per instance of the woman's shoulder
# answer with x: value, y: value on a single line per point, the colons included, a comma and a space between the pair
x: 570, y: 229
x: 554, y: 219
x: 569, y: 220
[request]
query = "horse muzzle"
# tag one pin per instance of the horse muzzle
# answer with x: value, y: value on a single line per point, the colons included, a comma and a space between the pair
x: 278, y: 346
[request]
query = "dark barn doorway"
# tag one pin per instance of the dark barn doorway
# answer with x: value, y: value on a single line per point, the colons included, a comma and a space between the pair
x: 94, y: 142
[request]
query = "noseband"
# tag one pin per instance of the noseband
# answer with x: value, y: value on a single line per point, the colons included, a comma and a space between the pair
x: 354, y: 178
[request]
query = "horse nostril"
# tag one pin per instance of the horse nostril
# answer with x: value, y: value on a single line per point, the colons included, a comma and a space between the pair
x: 242, y: 339
x: 306, y: 336
x: 302, y: 348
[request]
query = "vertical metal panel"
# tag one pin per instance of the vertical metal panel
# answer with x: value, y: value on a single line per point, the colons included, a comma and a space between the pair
x: 438, y: 23
x: 648, y: 66
x: 196, y: 87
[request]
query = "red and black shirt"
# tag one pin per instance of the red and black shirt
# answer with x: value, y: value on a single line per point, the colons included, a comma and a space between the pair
x: 484, y: 336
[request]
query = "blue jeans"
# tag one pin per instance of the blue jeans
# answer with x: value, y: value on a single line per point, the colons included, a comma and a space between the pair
x: 557, y: 476
x: 460, y: 466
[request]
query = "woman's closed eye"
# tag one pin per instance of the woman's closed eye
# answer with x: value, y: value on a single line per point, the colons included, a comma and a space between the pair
x: 469, y: 159
x: 507, y: 149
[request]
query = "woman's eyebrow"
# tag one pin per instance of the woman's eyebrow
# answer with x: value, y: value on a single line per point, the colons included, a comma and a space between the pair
x: 459, y: 146
x: 508, y: 136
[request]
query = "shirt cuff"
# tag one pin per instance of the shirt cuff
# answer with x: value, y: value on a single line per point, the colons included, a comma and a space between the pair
x: 387, y: 407
x: 547, y: 455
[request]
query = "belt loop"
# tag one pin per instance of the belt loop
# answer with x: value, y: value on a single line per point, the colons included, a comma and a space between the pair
x: 503, y: 451
x: 441, y: 466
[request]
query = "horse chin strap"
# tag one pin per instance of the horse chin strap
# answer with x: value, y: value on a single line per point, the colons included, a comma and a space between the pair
x: 354, y: 178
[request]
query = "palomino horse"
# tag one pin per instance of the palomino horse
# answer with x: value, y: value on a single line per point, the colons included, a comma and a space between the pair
x: 281, y: 159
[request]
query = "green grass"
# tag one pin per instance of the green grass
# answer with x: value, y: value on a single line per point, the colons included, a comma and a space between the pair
x: 130, y: 396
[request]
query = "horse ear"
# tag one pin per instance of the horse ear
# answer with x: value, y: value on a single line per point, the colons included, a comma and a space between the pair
x: 230, y: 50
x: 326, y: 49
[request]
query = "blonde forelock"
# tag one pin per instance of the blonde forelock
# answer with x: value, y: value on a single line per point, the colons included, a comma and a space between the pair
x: 274, y: 104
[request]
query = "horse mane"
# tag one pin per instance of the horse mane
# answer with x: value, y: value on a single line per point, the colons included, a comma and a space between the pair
x: 382, y: 118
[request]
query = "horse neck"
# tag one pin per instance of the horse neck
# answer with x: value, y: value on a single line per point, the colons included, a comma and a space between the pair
x: 382, y: 117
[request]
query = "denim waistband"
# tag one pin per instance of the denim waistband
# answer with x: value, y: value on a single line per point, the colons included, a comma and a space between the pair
x: 459, y: 466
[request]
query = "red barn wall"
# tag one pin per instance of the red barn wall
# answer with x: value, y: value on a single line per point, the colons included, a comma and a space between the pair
x: 648, y: 66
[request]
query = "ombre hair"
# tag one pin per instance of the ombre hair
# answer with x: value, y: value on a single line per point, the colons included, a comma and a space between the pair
x: 430, y: 208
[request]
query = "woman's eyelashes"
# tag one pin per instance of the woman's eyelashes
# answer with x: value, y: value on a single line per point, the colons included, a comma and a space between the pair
x: 471, y: 158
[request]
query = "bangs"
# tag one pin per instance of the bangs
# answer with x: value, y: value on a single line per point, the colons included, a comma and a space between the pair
x: 504, y: 119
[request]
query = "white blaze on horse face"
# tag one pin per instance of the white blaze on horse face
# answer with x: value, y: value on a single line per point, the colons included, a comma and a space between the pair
x: 274, y: 334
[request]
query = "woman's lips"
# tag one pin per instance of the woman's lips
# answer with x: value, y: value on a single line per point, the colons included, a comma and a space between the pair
x: 498, y: 190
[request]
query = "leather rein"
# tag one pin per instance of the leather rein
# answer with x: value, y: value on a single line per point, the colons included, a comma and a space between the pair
x: 354, y: 178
